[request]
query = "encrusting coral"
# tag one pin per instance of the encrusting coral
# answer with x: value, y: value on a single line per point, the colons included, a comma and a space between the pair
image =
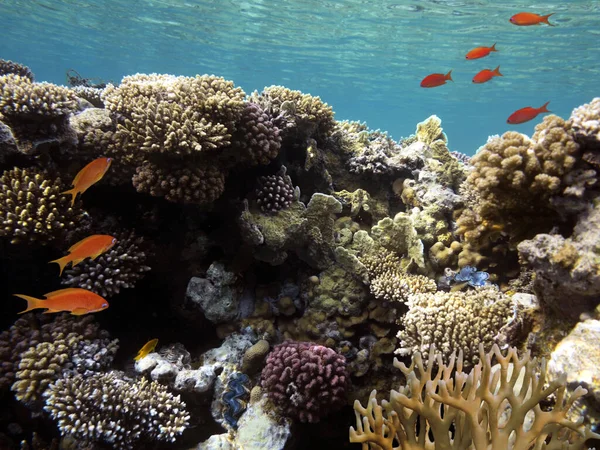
x: 121, y: 267
x: 453, y: 320
x: 33, y: 209
x: 110, y: 409
x: 304, y: 380
x: 492, y: 407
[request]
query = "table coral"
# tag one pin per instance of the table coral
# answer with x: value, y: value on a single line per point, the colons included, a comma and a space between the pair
x: 33, y: 209
x: 305, y: 381
x: 453, y: 320
x: 111, y: 409
x: 485, y: 408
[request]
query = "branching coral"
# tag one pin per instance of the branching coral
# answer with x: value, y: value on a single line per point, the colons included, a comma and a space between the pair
x: 7, y: 67
x: 110, y: 409
x: 20, y: 97
x: 586, y: 120
x: 32, y: 208
x: 454, y: 320
x: 121, y: 267
x: 492, y: 407
x: 275, y: 192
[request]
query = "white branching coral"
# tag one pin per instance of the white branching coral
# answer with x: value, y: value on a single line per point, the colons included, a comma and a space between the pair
x: 492, y: 407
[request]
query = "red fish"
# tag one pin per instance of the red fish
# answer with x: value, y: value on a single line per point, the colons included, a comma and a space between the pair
x: 487, y: 75
x: 480, y: 52
x: 75, y: 300
x: 526, y: 114
x: 90, y: 247
x: 436, y: 79
x: 525, y: 19
x: 90, y: 174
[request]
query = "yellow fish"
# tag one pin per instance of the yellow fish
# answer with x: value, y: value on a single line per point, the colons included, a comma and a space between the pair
x: 146, y: 349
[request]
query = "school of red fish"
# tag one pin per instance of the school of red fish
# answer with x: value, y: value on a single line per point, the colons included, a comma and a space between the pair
x: 521, y: 115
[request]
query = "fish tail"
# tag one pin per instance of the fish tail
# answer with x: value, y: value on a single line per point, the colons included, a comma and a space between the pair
x: 493, y: 48
x: 32, y: 302
x: 449, y: 76
x: 497, y: 72
x: 62, y: 263
x: 72, y: 192
x: 544, y: 108
x: 545, y: 20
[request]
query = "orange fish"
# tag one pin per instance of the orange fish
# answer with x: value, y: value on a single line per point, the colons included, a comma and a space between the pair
x: 90, y: 247
x: 90, y: 174
x: 526, y: 114
x: 525, y: 19
x: 487, y: 75
x: 75, y: 300
x: 436, y: 79
x: 480, y: 52
x: 146, y: 349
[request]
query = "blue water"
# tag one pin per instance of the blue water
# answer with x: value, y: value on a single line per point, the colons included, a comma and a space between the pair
x: 365, y: 58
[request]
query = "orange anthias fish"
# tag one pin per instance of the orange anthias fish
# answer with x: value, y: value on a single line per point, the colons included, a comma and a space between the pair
x: 436, y: 79
x: 90, y: 174
x: 75, y: 300
x: 526, y: 114
x: 146, y: 349
x: 487, y: 75
x: 480, y: 52
x: 90, y: 247
x: 525, y: 19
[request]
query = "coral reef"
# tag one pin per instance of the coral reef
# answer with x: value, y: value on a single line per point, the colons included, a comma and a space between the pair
x: 114, y: 410
x: 119, y: 268
x: 7, y: 67
x: 33, y: 208
x: 275, y: 192
x: 304, y: 380
x: 454, y: 320
x: 485, y: 408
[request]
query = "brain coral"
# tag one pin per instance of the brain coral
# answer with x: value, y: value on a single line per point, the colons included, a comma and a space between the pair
x: 32, y: 208
x: 304, y: 380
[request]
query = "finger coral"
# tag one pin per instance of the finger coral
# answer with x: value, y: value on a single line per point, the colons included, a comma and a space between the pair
x: 122, y: 413
x: 454, y: 320
x: 491, y: 407
x: 33, y: 209
x: 120, y: 267
x: 304, y: 380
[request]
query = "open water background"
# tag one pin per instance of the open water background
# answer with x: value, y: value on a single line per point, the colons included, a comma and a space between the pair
x: 366, y: 58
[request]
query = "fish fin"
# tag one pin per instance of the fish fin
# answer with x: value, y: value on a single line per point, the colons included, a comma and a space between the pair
x: 32, y: 302
x: 72, y: 192
x: 493, y: 48
x: 545, y: 20
x: 448, y: 76
x: 62, y: 263
x: 51, y: 311
x: 79, y: 311
x: 139, y: 356
x: 544, y: 108
x: 497, y: 72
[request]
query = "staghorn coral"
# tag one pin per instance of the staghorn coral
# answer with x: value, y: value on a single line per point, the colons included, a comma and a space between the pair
x: 173, y: 115
x: 180, y: 183
x: 20, y: 97
x: 33, y: 209
x: 303, y: 112
x: 275, y: 192
x: 453, y: 320
x: 7, y: 67
x: 110, y: 409
x: 494, y: 407
x: 256, y: 139
x: 387, y: 279
x: 304, y: 380
x: 91, y: 94
x: 121, y: 267
x: 32, y: 329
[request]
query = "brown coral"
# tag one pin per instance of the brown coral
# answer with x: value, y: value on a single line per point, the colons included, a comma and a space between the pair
x: 33, y: 209
x: 489, y: 407
x: 179, y: 183
x: 7, y: 67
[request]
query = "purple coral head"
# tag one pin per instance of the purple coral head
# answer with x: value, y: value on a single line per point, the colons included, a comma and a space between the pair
x: 306, y: 381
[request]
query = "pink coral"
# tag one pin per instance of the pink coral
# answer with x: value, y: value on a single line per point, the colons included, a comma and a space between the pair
x: 305, y: 380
